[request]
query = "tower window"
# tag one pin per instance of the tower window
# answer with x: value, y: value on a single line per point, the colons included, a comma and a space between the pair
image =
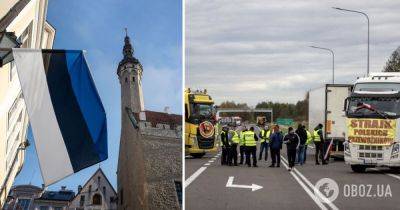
x: 121, y: 196
x: 82, y: 201
x: 126, y: 79
x: 133, y: 79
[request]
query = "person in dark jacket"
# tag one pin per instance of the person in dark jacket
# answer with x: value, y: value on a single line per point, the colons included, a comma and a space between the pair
x: 225, y: 145
x: 301, y: 132
x: 275, y: 147
x: 292, y: 141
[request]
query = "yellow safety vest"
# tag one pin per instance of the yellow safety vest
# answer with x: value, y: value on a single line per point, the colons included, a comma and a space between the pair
x: 241, y: 143
x: 262, y: 132
x: 235, y: 138
x: 249, y: 140
x: 309, y: 138
x: 317, y: 138
x: 266, y: 137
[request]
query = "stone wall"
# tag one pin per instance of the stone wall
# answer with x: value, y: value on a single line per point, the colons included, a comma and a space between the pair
x: 162, y: 130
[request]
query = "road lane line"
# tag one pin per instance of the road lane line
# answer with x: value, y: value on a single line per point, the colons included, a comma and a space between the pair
x: 321, y: 196
x: 394, y: 176
x: 389, y: 174
x: 305, y: 188
x: 207, y: 164
x: 210, y: 161
x: 189, y: 180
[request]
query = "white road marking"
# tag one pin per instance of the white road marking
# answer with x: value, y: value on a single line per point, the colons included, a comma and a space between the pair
x: 389, y: 174
x: 211, y: 161
x: 394, y: 176
x: 207, y: 164
x: 308, y: 191
x: 321, y: 196
x: 253, y: 187
x: 189, y: 180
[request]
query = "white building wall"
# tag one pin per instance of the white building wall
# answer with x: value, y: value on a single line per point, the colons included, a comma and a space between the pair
x: 29, y: 26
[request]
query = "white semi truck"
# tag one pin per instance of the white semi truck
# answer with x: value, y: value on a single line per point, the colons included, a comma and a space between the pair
x: 326, y: 108
x: 373, y: 127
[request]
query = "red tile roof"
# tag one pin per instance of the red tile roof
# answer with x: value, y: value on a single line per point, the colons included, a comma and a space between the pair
x: 161, y: 117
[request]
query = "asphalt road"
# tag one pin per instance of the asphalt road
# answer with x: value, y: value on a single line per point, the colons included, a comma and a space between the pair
x: 206, y: 186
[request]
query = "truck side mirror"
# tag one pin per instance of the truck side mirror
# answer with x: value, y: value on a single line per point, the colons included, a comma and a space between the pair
x: 345, y: 104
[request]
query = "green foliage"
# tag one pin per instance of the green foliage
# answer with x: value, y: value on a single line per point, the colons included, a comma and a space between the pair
x: 297, y: 111
x: 393, y: 64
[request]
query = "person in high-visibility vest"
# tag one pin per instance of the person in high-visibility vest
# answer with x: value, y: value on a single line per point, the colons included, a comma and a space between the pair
x: 233, y: 148
x: 318, y: 138
x: 308, y: 142
x: 242, y: 147
x: 264, y: 141
x: 250, y: 141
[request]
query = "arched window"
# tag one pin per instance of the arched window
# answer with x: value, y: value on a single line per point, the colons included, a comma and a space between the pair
x: 96, y: 200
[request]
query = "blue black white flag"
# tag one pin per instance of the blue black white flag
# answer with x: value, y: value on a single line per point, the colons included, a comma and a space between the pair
x: 65, y: 111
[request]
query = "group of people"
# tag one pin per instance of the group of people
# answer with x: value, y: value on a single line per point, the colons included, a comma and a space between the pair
x: 271, y: 140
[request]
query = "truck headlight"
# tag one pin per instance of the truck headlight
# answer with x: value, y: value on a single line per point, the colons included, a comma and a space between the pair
x: 396, y: 148
x: 346, y: 146
x: 194, y: 140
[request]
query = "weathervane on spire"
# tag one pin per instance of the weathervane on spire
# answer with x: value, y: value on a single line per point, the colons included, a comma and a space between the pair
x: 126, y: 31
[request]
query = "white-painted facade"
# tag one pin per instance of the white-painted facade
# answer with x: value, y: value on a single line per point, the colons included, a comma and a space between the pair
x: 33, y: 31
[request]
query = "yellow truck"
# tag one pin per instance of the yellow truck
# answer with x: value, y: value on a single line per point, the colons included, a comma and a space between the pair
x: 200, y: 135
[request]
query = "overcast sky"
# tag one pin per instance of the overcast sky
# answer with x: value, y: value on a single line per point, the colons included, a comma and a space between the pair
x: 255, y: 50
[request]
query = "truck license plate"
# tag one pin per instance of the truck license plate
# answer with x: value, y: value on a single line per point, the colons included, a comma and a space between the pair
x: 369, y: 161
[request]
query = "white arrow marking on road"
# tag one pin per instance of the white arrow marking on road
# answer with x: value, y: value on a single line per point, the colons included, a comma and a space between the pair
x: 253, y: 187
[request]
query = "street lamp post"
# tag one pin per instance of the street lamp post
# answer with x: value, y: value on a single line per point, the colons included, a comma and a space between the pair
x: 333, y: 61
x: 359, y: 12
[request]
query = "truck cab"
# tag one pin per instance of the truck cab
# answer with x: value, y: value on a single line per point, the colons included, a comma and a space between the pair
x: 199, y: 123
x: 373, y: 120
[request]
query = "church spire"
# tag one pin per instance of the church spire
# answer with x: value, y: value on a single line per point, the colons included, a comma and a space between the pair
x: 127, y: 52
x: 128, y: 49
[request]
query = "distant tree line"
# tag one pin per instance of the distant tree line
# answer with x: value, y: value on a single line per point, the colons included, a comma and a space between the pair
x: 393, y: 63
x: 297, y: 111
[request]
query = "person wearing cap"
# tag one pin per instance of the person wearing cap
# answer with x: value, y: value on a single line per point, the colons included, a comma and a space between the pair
x: 292, y: 141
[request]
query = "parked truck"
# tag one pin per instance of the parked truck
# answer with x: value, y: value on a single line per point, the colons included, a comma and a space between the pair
x: 373, y: 115
x: 326, y: 107
x: 199, y: 124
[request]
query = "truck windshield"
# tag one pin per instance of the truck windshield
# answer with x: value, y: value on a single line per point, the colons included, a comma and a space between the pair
x: 201, y: 111
x: 374, y: 107
x: 377, y: 87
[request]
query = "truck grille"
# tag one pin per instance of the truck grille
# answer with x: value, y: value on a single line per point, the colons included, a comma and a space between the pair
x: 368, y: 147
x: 370, y: 155
x: 205, y: 143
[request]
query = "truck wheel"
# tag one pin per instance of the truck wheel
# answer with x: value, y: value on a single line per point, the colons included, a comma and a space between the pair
x: 358, y: 168
x: 197, y: 155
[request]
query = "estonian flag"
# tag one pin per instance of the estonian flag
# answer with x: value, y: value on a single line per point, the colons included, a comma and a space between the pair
x: 65, y: 111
